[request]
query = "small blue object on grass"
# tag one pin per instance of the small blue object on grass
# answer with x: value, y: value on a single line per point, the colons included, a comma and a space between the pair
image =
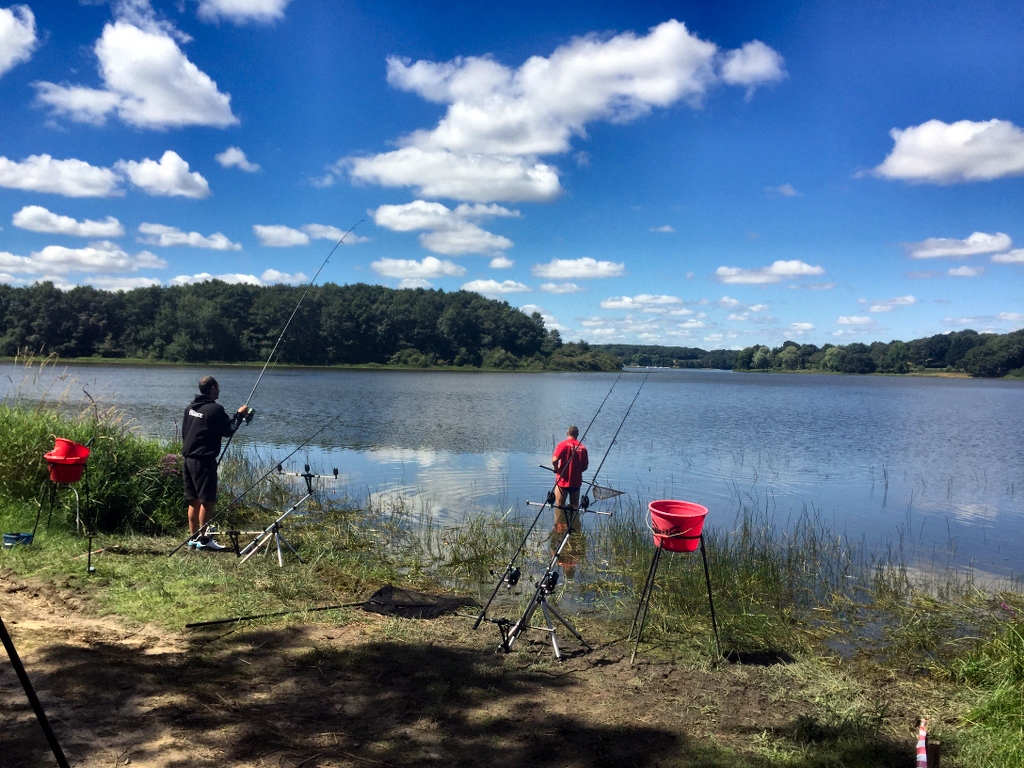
x: 14, y: 539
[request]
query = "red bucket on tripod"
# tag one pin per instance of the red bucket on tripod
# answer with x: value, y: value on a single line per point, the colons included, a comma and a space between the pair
x: 67, y: 460
x: 677, y: 525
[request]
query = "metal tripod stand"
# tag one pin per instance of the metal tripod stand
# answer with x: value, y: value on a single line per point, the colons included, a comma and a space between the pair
x: 273, y: 531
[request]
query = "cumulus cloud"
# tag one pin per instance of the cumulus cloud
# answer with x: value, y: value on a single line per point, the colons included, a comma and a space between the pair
x: 977, y: 243
x: 800, y: 328
x: 644, y: 302
x: 889, y: 304
x: 101, y: 256
x: 665, y: 229
x: 148, y: 82
x: 272, y: 276
x: 570, y: 269
x: 451, y: 232
x: 414, y: 282
x: 71, y: 178
x: 1015, y: 256
x: 501, y: 262
x: 499, y: 121
x: 279, y: 236
x: 327, y: 232
x: 947, y: 153
x: 560, y: 288
x: 17, y: 36
x: 430, y: 266
x: 966, y: 271
x: 164, y: 236
x: 35, y: 218
x: 854, y: 320
x: 242, y: 11
x: 777, y: 272
x: 121, y: 283
x: 233, y: 157
x: 752, y: 65
x: 494, y: 289
x: 170, y: 177
x: 205, y: 277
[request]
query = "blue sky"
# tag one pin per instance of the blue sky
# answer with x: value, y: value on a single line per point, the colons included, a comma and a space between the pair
x: 697, y: 174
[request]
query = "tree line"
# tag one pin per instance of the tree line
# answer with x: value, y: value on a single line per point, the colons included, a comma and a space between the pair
x: 979, y: 354
x: 334, y: 325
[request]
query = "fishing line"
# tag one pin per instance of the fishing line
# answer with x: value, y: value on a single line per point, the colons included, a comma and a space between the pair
x: 239, y: 497
x: 598, y: 470
x: 509, y: 568
x: 284, y: 330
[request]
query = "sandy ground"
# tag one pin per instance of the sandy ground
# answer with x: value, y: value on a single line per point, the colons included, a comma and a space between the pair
x: 368, y: 691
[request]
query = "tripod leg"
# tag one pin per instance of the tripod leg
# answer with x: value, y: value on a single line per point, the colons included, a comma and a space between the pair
x: 280, y: 557
x: 550, y: 629
x: 645, y: 600
x: 568, y: 625
x: 517, y: 629
x: 255, y: 545
x: 53, y: 500
x: 290, y: 547
x: 711, y: 602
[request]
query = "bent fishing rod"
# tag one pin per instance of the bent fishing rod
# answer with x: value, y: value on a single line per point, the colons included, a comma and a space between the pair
x: 284, y: 330
x: 510, y: 576
x: 547, y: 583
x: 244, y: 493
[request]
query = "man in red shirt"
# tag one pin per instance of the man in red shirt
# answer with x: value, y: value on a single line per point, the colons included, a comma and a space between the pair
x: 569, y: 460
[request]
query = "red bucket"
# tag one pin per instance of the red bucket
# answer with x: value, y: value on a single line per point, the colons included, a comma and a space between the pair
x: 677, y: 525
x: 66, y: 460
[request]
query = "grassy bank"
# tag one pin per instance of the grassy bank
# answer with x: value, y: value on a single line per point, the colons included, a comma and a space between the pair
x: 870, y: 640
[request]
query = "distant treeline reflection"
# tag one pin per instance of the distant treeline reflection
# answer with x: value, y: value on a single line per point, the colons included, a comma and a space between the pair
x: 979, y: 354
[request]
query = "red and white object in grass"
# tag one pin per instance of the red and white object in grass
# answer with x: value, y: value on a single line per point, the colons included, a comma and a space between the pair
x: 922, y: 745
x: 67, y: 460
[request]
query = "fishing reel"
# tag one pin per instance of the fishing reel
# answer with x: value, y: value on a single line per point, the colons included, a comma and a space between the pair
x: 247, y: 416
x: 550, y: 500
x: 548, y: 583
x: 584, y: 503
x: 510, y: 577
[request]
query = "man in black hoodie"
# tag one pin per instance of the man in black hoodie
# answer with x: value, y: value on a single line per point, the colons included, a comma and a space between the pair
x: 204, y: 425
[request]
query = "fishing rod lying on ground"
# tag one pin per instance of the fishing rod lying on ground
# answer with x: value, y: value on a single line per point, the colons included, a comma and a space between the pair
x: 510, y: 576
x: 547, y: 583
x: 283, y: 331
x: 244, y: 493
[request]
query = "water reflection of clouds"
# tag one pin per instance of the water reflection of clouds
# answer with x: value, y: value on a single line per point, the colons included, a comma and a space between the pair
x: 975, y: 512
x: 420, y: 457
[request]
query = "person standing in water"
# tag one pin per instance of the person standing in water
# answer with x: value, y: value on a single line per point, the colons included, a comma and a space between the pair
x: 569, y: 461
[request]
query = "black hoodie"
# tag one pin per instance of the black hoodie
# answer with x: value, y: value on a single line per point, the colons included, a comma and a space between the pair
x: 204, y: 424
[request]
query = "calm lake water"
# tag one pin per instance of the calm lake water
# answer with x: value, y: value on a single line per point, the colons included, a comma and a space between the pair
x: 936, y: 462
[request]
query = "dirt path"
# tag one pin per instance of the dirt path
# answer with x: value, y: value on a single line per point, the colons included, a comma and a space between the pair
x: 372, y: 691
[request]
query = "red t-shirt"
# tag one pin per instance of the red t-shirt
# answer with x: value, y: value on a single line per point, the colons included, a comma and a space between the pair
x: 571, y: 457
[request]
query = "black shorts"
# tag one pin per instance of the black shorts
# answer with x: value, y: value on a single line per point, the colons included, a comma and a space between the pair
x: 200, y: 479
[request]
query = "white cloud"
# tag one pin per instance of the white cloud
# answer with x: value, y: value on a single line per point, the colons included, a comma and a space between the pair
x: 947, y: 153
x: 753, y: 64
x: 147, y: 79
x: 71, y: 178
x: 414, y: 282
x: 586, y: 267
x: 801, y: 328
x: 665, y: 229
x: 451, y: 232
x: 233, y: 157
x: 205, y: 277
x: 101, y: 256
x: 500, y: 120
x: 279, y: 236
x: 738, y: 316
x: 501, y: 262
x: 271, y: 276
x: 242, y: 11
x: 854, y: 320
x: 644, y: 302
x: 887, y: 305
x: 17, y: 36
x: 1011, y: 317
x: 775, y: 273
x: 966, y: 271
x: 978, y: 242
x: 783, y: 190
x: 560, y: 288
x: 164, y: 236
x: 431, y: 266
x: 35, y: 218
x: 121, y: 283
x: 327, y: 232
x: 168, y: 178
x: 1013, y: 257
x: 729, y: 302
x: 493, y: 289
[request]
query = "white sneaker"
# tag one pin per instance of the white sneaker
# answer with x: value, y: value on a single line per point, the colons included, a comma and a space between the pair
x: 213, y: 546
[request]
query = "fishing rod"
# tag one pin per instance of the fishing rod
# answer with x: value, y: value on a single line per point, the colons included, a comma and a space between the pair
x: 547, y: 583
x: 239, y: 497
x: 510, y: 576
x: 285, y: 330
